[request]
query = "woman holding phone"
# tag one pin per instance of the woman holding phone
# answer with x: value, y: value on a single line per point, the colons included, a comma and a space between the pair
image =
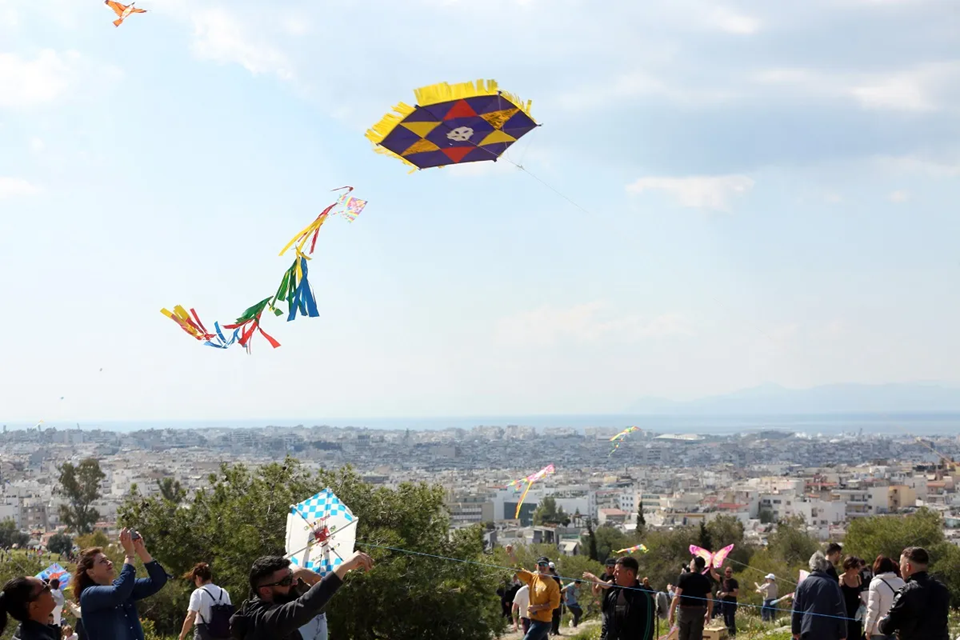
x: 109, y: 601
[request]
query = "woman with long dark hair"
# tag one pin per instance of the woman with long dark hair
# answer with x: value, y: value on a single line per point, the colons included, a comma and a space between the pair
x: 108, y: 601
x: 852, y: 588
x: 28, y: 600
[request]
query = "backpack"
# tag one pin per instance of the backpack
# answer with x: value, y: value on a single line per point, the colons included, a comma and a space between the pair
x: 219, y: 623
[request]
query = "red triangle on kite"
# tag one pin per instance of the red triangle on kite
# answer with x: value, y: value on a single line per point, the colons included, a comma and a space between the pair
x: 456, y: 153
x: 460, y: 110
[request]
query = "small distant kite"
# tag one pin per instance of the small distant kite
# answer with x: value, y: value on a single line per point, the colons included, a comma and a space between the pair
x: 122, y: 10
x: 620, y: 437
x: 351, y: 206
x: 547, y: 470
x: 641, y: 548
x: 714, y: 560
x: 453, y: 124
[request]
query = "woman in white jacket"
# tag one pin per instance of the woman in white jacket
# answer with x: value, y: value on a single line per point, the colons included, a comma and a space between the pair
x: 884, y: 586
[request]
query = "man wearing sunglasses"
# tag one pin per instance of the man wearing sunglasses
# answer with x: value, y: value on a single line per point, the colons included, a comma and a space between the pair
x: 544, y: 596
x: 276, y: 609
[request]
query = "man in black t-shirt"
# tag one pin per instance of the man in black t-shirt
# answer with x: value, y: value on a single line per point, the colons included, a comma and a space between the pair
x: 695, y: 600
x: 728, y: 596
x: 608, y: 568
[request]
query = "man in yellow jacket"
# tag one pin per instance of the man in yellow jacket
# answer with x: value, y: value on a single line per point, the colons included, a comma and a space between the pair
x: 544, y: 596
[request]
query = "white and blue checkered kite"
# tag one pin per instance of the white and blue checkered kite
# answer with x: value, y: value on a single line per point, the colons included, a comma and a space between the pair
x: 321, y: 532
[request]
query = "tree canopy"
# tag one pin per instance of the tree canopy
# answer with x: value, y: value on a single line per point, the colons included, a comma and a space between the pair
x: 10, y: 535
x: 242, y: 515
x: 80, y: 485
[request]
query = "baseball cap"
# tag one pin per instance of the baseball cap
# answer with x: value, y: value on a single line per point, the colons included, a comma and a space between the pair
x: 543, y: 560
x: 610, y: 561
x: 553, y: 566
x: 770, y: 576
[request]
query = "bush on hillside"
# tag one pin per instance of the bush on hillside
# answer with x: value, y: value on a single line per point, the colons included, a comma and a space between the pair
x: 242, y: 515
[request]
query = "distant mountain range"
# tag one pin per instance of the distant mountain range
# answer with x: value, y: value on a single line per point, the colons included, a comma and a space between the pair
x: 772, y: 399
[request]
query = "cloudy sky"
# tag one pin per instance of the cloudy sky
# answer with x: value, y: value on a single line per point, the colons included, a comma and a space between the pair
x: 722, y: 194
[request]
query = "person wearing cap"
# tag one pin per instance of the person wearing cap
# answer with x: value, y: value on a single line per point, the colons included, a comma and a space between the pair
x: 544, y: 596
x: 920, y: 608
x: 607, y: 576
x: 768, y: 591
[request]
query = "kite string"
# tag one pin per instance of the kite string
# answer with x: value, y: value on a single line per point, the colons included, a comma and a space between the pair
x: 580, y: 579
x: 494, y: 157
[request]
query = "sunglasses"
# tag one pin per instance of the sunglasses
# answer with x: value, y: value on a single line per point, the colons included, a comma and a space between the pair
x: 285, y: 582
x: 44, y: 589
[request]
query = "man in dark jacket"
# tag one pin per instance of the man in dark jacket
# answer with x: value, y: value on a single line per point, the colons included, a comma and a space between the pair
x: 818, y: 609
x: 833, y: 557
x: 276, y: 610
x: 920, y: 608
x: 628, y: 614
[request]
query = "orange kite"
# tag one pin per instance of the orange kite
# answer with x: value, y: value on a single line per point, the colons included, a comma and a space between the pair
x: 122, y: 10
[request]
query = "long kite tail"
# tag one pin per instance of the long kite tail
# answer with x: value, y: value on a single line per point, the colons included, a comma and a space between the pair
x: 522, y: 498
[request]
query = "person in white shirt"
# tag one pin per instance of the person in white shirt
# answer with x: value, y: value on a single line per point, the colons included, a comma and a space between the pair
x: 521, y: 602
x: 58, y: 598
x: 884, y: 586
x: 67, y: 633
x: 202, y: 599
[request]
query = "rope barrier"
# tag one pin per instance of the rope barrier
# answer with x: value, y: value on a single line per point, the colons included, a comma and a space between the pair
x: 580, y: 579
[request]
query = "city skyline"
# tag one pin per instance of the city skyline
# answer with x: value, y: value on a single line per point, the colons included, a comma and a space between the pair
x: 756, y: 197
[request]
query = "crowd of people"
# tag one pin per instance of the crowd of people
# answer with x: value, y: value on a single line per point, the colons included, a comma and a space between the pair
x: 882, y: 601
x: 865, y: 602
x: 284, y: 603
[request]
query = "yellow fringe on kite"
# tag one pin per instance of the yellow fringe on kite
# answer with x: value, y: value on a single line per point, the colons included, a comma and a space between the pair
x: 379, y: 131
x: 443, y: 92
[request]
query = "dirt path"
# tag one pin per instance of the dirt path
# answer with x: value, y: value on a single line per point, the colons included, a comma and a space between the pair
x: 565, y: 632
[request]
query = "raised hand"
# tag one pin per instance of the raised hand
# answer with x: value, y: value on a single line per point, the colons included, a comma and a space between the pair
x: 127, y: 542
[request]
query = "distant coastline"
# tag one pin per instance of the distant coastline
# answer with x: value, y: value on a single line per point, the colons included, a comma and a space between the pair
x: 919, y: 423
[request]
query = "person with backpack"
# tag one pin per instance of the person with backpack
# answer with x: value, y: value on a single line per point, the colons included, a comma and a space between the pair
x: 210, y: 608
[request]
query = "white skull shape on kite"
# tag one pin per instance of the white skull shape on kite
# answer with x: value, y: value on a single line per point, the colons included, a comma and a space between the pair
x: 460, y: 134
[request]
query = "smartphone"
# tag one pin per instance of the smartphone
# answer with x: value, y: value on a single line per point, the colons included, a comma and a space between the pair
x: 134, y: 534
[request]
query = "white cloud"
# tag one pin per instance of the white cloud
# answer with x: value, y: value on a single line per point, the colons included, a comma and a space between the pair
x: 222, y: 37
x: 28, y: 83
x: 832, y: 197
x: 699, y: 192
x: 14, y: 187
x: 926, y: 87
x: 586, y: 323
x: 901, y: 165
x: 37, y: 145
x: 732, y: 22
x: 898, y: 196
x: 639, y: 84
x: 901, y: 92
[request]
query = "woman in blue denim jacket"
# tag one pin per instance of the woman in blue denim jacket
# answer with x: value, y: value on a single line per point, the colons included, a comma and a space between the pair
x: 108, y: 602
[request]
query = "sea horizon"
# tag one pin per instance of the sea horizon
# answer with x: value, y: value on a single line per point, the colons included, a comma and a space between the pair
x: 902, y: 423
